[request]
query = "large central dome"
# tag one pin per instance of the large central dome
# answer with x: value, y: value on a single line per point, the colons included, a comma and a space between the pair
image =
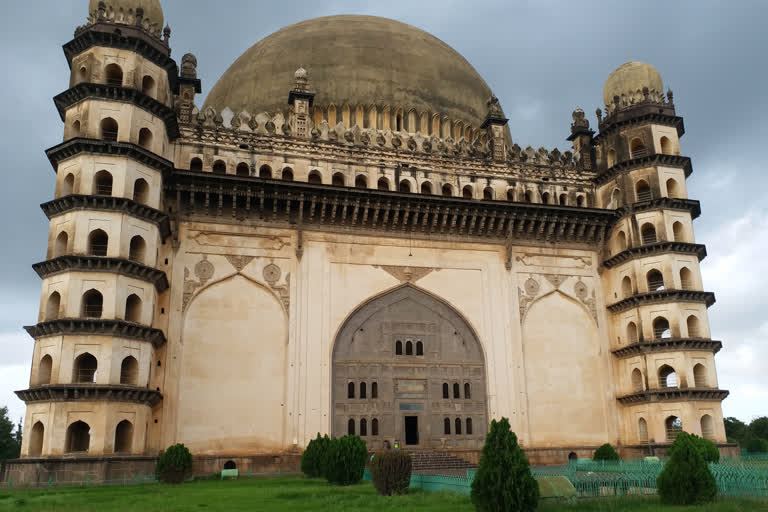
x: 355, y: 60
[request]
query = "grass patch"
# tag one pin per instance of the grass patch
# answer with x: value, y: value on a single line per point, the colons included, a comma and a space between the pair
x: 297, y: 493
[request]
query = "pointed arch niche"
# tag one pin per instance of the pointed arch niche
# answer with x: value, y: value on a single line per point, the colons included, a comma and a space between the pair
x: 233, y: 369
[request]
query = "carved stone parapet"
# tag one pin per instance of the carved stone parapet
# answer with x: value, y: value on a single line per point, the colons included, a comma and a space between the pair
x: 662, y: 297
x: 83, y: 90
x: 662, y: 113
x: 97, y: 327
x: 90, y: 393
x: 673, y: 395
x: 654, y: 249
x: 662, y: 203
x: 681, y: 162
x: 120, y: 266
x: 108, y: 203
x: 668, y: 345
x: 79, y: 145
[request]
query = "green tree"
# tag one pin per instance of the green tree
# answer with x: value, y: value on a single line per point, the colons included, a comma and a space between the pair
x: 10, y: 442
x: 735, y: 429
x: 345, y: 460
x: 174, y: 465
x: 686, y: 479
x: 606, y: 452
x: 503, y: 481
x: 313, y: 458
x: 707, y: 449
x: 759, y: 427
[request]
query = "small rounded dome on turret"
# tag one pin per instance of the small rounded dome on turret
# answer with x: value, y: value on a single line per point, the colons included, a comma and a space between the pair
x: 629, y: 82
x: 124, y: 11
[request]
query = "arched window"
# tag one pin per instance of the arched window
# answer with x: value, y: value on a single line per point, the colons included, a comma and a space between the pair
x: 528, y: 196
x: 672, y: 426
x: 196, y: 164
x: 648, y: 233
x: 457, y: 426
x: 426, y: 188
x: 108, y: 129
x: 60, y: 246
x: 466, y: 192
x: 102, y: 183
x: 374, y: 390
x: 363, y: 427
x: 694, y: 331
x: 219, y: 167
x: 145, y: 138
x: 133, y: 308
x: 44, y: 370
x: 469, y: 426
x: 383, y: 184
x: 631, y: 332
x: 510, y: 194
x: 141, y: 191
x: 446, y: 391
x: 666, y: 146
x: 314, y: 178
x: 642, y: 430
x: 643, y: 191
x: 85, y: 368
x: 637, y: 380
x: 124, y: 437
x: 78, y: 438
x: 137, y: 249
x: 243, y: 169
x: 446, y: 426
x: 361, y: 181
x: 545, y: 198
x: 398, y: 348
x: 337, y: 179
x: 563, y: 199
x: 405, y: 186
x: 98, y: 242
x: 419, y: 348
x: 363, y: 391
x: 447, y: 190
x: 456, y: 391
x: 637, y: 148
x: 572, y: 457
x: 686, y: 278
x: 707, y: 427
x: 611, y: 160
x: 92, y: 304
x: 626, y: 287
x: 409, y: 348
x: 67, y: 185
x: 129, y: 371
x: 699, y: 376
x: 287, y: 174
x: 677, y: 232
x: 351, y: 427
x: 580, y: 200
x: 265, y: 171
x: 622, y: 241
x: 399, y: 122
x: 673, y: 189
x: 230, y: 464
x: 36, y: 440
x: 661, y: 328
x: 148, y: 85
x: 467, y: 391
x: 655, y: 280
x: 351, y: 390
x: 113, y: 75
x: 52, y: 307
x: 667, y: 377
x: 488, y: 194
x: 374, y: 427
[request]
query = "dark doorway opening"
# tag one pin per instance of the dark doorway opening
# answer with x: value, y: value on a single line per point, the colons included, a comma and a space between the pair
x: 411, y: 430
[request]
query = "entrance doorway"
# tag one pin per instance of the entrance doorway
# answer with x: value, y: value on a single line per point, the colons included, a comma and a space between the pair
x: 411, y: 430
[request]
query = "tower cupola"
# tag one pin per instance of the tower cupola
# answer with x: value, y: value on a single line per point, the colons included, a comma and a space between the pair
x: 632, y: 83
x: 126, y: 11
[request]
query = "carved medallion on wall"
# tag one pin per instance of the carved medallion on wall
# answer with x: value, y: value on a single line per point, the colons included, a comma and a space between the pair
x: 272, y: 275
x: 406, y: 273
x: 203, y: 270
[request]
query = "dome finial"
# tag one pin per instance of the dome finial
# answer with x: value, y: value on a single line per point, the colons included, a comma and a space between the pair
x: 302, y: 79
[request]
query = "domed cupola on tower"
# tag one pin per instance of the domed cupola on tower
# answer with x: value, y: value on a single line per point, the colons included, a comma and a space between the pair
x: 126, y: 11
x: 632, y: 83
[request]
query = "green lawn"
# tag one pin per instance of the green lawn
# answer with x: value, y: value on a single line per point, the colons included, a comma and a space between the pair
x: 289, y: 493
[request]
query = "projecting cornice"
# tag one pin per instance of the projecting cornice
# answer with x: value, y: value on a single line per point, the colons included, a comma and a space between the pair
x: 658, y: 159
x: 668, y: 345
x: 673, y: 395
x: 80, y: 145
x: 120, y: 266
x: 84, y: 90
x: 89, y: 393
x: 97, y: 327
x: 657, y: 248
x: 108, y: 203
x: 662, y: 203
x: 662, y: 297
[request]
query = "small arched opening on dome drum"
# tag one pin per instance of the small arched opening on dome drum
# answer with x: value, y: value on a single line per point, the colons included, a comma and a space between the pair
x: 466, y: 192
x: 314, y: 178
x: 148, y: 86
x: 141, y: 191
x: 113, y: 75
x: 426, y: 187
x: 108, y: 129
x: 287, y: 174
x: 488, y: 194
x: 219, y: 167
x: 102, y: 183
x: 98, y: 243
x: 405, y: 186
x: 361, y: 181
x: 337, y: 179
x: 382, y: 184
x: 265, y: 171
x: 145, y: 138
x: 195, y: 164
x: 243, y: 169
x: 447, y: 190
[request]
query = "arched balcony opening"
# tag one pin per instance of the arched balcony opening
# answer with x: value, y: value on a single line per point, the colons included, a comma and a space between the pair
x: 707, y: 427
x: 637, y: 380
x: 337, y: 179
x: 108, y: 129
x: 137, y: 249
x: 426, y: 188
x: 219, y: 167
x: 196, y: 164
x: 661, y: 328
x: 113, y: 75
x: 148, y: 86
x: 145, y: 138
x: 102, y: 183
x: 488, y: 194
x: 93, y: 304
x: 637, y: 148
x: 315, y: 178
x: 700, y: 376
x: 447, y: 190
x: 405, y: 186
x: 655, y: 280
x: 60, y: 246
x: 361, y: 181
x: 78, y: 438
x: 398, y: 348
x: 36, y: 437
x: 642, y: 430
x: 648, y: 233
x: 686, y: 279
x: 85, y: 369
x: 673, y: 189
x: 133, y: 308
x: 141, y: 191
x: 419, y: 348
x: 129, y: 371
x: 382, y: 184
x: 67, y: 185
x: 666, y: 146
x: 467, y: 192
x: 667, y: 377
x: 694, y: 326
x: 678, y: 232
x: 632, y: 332
x: 643, y: 191
x: 44, y: 370
x: 124, y: 437
x: 243, y: 169
x: 265, y: 171
x: 672, y: 427
x: 52, y: 306
x: 626, y: 287
x: 98, y: 243
x: 287, y: 174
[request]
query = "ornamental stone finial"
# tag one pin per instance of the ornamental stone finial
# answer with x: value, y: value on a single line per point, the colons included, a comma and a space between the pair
x: 302, y: 80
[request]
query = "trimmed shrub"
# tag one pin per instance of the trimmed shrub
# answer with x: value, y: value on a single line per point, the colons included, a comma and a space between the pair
x: 755, y: 445
x: 686, y: 479
x: 391, y: 472
x: 174, y: 464
x: 344, y: 460
x: 503, y: 480
x: 707, y: 448
x: 606, y: 452
x: 313, y: 457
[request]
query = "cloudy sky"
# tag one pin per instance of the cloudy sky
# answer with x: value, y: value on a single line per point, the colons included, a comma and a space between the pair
x: 541, y: 59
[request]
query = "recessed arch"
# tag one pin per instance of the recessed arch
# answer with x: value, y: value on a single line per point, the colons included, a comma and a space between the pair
x: 196, y: 164
x: 405, y: 186
x: 36, y: 438
x: 707, y: 427
x: 545, y: 198
x: 98, y: 243
x: 637, y: 380
x: 642, y: 430
x: 382, y: 184
x: 673, y: 188
x: 145, y: 138
x: 113, y: 75
x: 129, y: 371
x: 626, y: 287
x: 85, y: 368
x: 93, y: 304
x: 141, y: 191
x: 447, y: 190
x: 611, y: 158
x: 102, y: 183
x: 60, y: 246
x: 219, y: 167
x: 488, y: 194
x: 700, y: 376
x: 426, y: 187
x: 667, y: 377
x: 361, y: 181
x: 230, y: 464
x: 694, y: 326
x: 124, y: 437
x: 137, y: 249
x: 78, y: 438
x: 467, y: 192
x: 632, y: 332
x: 67, y: 185
x: 287, y: 174
x: 44, y: 370
x: 661, y: 328
x: 148, y: 85
x: 643, y: 191
x: 648, y: 233
x: 510, y: 194
x: 666, y: 146
x: 678, y: 231
x: 672, y: 426
x: 108, y: 129
x: 338, y: 179
x: 528, y: 196
x: 52, y: 306
x: 315, y: 177
x: 655, y: 280
x: 133, y: 308
x: 265, y: 171
x: 637, y: 148
x: 243, y: 169
x: 686, y: 279
x: 563, y: 199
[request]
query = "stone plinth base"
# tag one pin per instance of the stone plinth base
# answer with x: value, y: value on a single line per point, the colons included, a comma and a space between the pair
x: 94, y: 470
x: 661, y: 450
x: 283, y: 463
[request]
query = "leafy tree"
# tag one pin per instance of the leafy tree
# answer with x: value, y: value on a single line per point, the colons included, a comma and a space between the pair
x: 313, y: 457
x: 391, y: 472
x: 759, y: 427
x: 503, y: 481
x: 755, y: 445
x: 174, y: 464
x: 686, y: 479
x: 606, y: 452
x: 735, y: 429
x: 345, y: 460
x: 10, y: 443
x: 707, y: 448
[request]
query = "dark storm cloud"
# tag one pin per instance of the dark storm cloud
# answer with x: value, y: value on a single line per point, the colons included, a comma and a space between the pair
x: 542, y: 59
